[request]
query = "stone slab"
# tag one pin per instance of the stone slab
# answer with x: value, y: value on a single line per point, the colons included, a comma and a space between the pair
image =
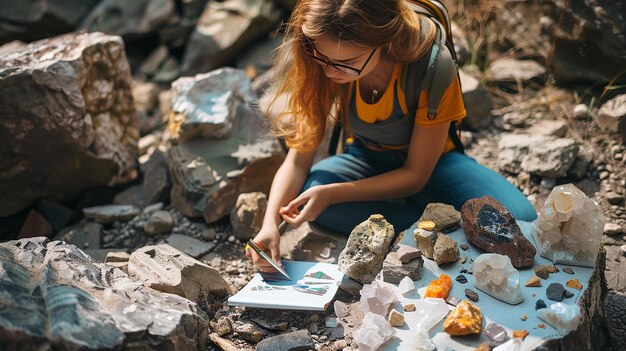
x: 189, y: 245
x: 493, y: 310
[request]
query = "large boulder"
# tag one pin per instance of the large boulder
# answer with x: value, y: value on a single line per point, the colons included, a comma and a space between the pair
x: 38, y: 19
x: 55, y: 297
x: 129, y: 18
x: 581, y: 40
x: 68, y: 119
x: 224, y: 29
x: 236, y: 153
x: 167, y: 269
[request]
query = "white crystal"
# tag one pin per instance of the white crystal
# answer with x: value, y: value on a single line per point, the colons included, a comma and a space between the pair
x: 429, y: 312
x: 514, y: 344
x: 374, y: 331
x: 561, y: 316
x: 423, y: 341
x: 494, y: 274
x: 406, y: 286
x: 569, y: 227
x: 377, y: 297
x: 341, y: 310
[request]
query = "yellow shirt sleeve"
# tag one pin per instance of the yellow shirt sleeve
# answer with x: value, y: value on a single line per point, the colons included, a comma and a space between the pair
x: 451, y: 107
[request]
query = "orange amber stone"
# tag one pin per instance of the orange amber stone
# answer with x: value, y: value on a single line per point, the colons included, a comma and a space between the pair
x: 439, y: 288
x: 465, y: 319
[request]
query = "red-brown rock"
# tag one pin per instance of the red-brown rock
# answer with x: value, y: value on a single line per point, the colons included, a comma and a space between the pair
x: 490, y: 226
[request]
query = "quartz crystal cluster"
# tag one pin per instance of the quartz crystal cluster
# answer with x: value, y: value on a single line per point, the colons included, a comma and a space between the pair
x: 561, y: 316
x: 374, y: 331
x: 377, y: 297
x: 569, y: 227
x: 494, y: 274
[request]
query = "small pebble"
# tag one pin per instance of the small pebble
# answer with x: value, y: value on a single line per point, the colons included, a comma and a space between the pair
x: 396, y: 318
x: 540, y: 304
x: 331, y: 322
x: 471, y: 294
x: 574, y: 283
x: 520, y: 334
x: 568, y: 270
x: 542, y: 271
x: 524, y: 317
x: 464, y: 247
x: 453, y: 300
x: 542, y: 326
x: 409, y: 307
x: 533, y: 281
x: 555, y: 292
x: 461, y: 279
x: 568, y: 294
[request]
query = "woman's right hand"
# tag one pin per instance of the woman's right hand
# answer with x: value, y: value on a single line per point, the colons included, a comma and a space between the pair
x: 269, y: 238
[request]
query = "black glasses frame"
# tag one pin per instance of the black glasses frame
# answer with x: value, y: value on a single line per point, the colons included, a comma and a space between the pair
x: 311, y: 50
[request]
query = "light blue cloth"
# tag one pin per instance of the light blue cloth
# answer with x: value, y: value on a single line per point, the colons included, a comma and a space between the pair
x: 455, y: 179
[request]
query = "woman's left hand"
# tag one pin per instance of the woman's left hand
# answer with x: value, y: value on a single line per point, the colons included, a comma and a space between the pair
x: 315, y: 201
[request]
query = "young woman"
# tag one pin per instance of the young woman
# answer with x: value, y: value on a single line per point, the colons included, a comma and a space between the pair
x: 344, y: 58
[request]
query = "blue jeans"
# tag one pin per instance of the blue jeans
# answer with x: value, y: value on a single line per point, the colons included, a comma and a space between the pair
x: 455, y: 179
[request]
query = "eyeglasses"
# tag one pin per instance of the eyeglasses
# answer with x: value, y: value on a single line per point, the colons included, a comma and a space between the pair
x: 312, y: 51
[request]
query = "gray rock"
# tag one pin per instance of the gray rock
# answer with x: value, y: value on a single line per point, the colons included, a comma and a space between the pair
x: 247, y: 216
x: 471, y: 294
x: 146, y: 99
x: 157, y: 182
x: 132, y: 196
x: 477, y: 103
x: 445, y: 216
x: 611, y: 116
x: 40, y: 19
x: 394, y: 270
x: 56, y: 214
x: 209, y: 175
x: 129, y: 18
x: 549, y: 127
x: 307, y: 241
x: 82, y: 235
x: 102, y: 308
x: 513, y: 70
x: 249, y: 332
x: 166, y: 269
x: 111, y: 213
x: 555, y: 292
x: 271, y: 322
x: 189, y: 245
x: 88, y: 124
x: 408, y: 253
x: 239, y: 24
x: 613, y: 229
x: 160, y: 222
x: 223, y: 344
x: 446, y: 250
x: 295, y: 341
x: 537, y: 154
x: 366, y: 249
x: 579, y: 168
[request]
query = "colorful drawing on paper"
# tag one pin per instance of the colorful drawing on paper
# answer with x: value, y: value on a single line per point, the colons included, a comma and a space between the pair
x: 314, y: 290
x: 318, y: 275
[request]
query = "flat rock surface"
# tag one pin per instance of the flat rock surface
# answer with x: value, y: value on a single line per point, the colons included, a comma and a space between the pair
x: 494, y: 311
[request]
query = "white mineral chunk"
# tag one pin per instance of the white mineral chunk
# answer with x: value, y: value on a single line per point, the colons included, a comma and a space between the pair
x: 561, y: 316
x: 374, y: 331
x: 429, y: 312
x: 494, y: 274
x: 341, y: 310
x: 406, y: 286
x: 569, y: 227
x: 423, y: 341
x: 377, y: 297
x: 514, y: 344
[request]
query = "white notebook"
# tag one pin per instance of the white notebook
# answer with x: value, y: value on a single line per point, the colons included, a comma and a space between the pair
x: 313, y: 287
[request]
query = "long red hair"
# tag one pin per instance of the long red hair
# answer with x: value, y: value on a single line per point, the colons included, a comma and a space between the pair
x: 388, y: 24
